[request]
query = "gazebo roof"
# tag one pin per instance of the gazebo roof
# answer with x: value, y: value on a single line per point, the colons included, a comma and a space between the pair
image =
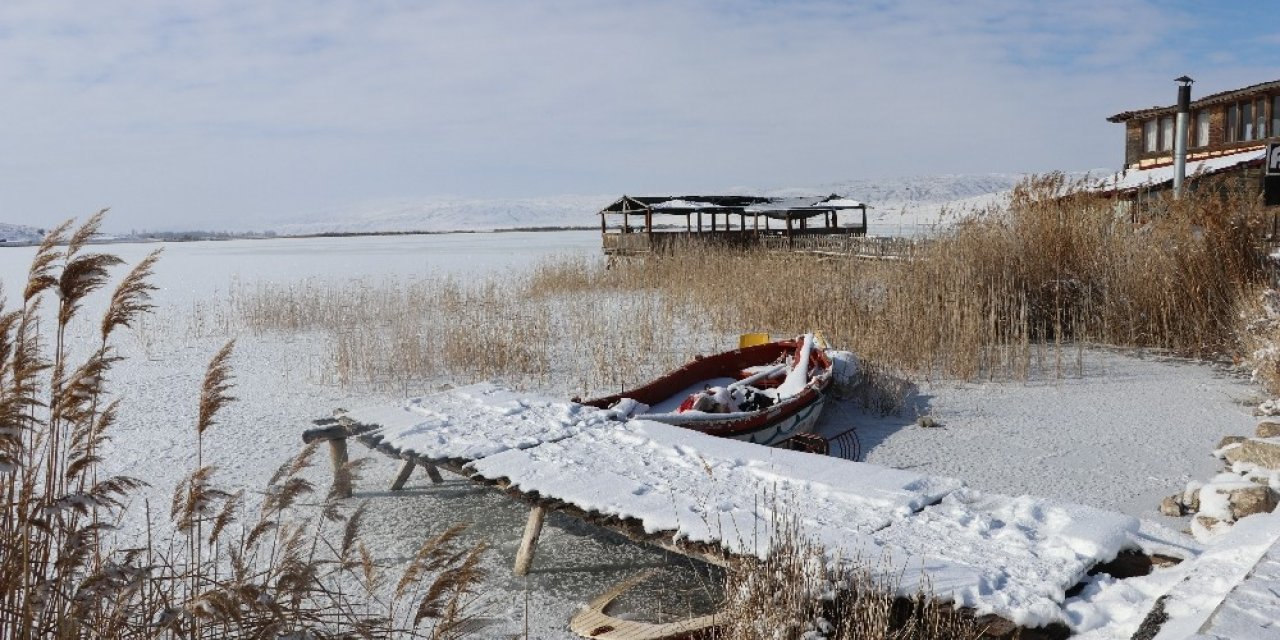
x: 790, y: 207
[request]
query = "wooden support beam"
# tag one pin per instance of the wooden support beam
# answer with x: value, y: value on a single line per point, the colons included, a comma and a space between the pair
x: 699, y: 222
x: 529, y: 543
x: 405, y: 471
x: 433, y: 473
x: 338, y: 455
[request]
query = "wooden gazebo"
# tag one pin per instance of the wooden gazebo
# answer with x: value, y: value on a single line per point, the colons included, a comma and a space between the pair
x: 709, y: 219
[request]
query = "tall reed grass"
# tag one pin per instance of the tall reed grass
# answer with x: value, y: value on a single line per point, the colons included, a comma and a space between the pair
x: 1004, y: 292
x: 220, y: 569
x: 796, y: 592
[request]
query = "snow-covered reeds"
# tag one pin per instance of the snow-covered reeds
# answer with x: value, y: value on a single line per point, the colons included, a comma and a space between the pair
x: 796, y: 592
x: 218, y: 568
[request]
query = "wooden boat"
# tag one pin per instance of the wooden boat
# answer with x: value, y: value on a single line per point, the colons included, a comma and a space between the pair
x: 593, y: 622
x: 767, y: 393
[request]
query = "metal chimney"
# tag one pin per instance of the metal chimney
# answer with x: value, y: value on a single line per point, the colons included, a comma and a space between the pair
x: 1180, y: 134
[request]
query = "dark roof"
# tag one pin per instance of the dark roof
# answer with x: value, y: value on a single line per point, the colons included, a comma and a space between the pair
x: 1212, y: 99
x: 789, y: 206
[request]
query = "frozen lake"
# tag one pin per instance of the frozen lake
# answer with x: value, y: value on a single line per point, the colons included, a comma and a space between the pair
x: 201, y: 267
x: 1119, y: 435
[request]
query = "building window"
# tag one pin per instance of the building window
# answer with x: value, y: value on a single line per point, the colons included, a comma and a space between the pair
x: 1150, y: 136
x: 1275, y: 116
x: 1166, y: 134
x: 1202, y: 128
x: 1233, y: 123
x: 1260, y: 115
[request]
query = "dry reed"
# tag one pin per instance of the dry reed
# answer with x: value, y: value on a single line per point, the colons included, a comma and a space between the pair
x: 277, y: 574
x: 797, y: 592
x: 1001, y: 294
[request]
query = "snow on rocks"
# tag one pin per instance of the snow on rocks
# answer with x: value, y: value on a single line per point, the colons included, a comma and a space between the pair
x: 1250, y: 485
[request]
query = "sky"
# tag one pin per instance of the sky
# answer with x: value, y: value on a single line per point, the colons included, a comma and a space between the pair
x: 232, y: 114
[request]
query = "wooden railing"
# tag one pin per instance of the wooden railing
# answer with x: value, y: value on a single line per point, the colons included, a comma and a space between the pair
x: 834, y: 243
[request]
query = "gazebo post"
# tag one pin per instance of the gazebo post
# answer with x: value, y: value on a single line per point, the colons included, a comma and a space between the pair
x: 648, y: 227
x: 687, y: 223
x: 699, y: 221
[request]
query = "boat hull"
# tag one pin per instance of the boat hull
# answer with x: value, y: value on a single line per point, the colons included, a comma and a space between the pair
x: 770, y: 426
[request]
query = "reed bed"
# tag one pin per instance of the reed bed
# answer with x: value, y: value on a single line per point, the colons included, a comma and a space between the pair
x: 797, y: 593
x: 1008, y: 291
x: 219, y: 568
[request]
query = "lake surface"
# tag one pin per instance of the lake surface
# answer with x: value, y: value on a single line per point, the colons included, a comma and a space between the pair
x: 195, y: 268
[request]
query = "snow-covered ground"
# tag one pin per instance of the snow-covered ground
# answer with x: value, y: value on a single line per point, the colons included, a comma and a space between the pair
x: 1126, y: 432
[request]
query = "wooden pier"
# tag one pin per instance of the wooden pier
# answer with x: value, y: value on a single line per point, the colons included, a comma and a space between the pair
x: 716, y: 499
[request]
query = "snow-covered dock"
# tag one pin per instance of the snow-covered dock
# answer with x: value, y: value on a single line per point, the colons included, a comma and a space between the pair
x: 1014, y: 557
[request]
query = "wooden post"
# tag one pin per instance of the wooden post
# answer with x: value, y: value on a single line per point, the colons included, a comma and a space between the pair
x: 338, y: 455
x: 403, y: 476
x: 864, y: 219
x: 433, y: 473
x: 687, y: 223
x: 648, y: 227
x: 699, y: 222
x: 529, y: 543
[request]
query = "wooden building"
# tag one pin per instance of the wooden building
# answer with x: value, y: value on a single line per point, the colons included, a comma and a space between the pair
x: 1227, y: 134
x: 634, y: 225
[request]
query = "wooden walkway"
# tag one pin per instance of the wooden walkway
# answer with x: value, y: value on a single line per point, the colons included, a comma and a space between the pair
x: 714, y: 499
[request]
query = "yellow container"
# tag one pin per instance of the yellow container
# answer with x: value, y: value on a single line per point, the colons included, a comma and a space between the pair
x: 752, y: 339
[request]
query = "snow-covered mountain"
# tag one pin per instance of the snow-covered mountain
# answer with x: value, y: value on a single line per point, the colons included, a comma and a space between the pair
x: 906, y: 202
x: 19, y: 234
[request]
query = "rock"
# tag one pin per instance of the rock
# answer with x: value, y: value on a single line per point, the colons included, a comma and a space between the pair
x: 928, y: 422
x: 1230, y: 440
x: 1191, y: 500
x: 1208, y: 522
x: 1250, y: 500
x: 1268, y: 429
x: 1262, y: 453
x: 1171, y: 506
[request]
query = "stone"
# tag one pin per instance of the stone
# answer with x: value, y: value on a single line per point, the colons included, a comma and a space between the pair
x: 1230, y: 440
x: 1250, y: 500
x: 1208, y: 522
x: 1171, y: 506
x: 1268, y: 429
x: 928, y: 422
x: 1192, y: 501
x: 1262, y: 453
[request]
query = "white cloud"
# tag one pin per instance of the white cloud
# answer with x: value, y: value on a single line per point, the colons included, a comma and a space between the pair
x: 196, y: 113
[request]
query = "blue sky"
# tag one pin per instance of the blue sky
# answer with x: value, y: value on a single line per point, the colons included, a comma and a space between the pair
x: 234, y: 113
